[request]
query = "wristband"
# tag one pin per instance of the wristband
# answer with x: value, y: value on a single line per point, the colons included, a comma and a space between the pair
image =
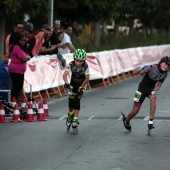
x: 143, y: 71
x: 153, y: 92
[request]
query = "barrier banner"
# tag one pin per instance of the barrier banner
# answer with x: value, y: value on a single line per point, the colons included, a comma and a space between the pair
x: 44, y: 72
x: 105, y: 61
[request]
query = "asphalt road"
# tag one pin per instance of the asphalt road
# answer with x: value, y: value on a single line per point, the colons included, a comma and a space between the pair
x: 102, y: 142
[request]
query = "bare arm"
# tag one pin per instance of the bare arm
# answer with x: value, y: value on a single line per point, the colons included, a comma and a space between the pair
x: 44, y: 49
x: 71, y: 47
x: 158, y: 86
x: 25, y: 59
x: 137, y: 71
x: 40, y: 37
x: 66, y: 73
x: 141, y: 71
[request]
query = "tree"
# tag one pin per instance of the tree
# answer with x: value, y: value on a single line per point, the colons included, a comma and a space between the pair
x: 84, y: 11
x: 15, y: 10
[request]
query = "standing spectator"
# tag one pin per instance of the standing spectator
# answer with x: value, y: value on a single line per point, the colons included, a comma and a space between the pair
x: 48, y: 47
x: 5, y: 79
x: 12, y: 38
x: 67, y: 41
x: 39, y: 40
x: 17, y: 66
x: 54, y: 37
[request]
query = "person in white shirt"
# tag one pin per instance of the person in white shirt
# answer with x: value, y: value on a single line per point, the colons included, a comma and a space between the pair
x: 67, y: 41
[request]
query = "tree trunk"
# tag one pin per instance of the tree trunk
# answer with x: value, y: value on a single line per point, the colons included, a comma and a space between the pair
x: 97, y: 34
x: 2, y: 35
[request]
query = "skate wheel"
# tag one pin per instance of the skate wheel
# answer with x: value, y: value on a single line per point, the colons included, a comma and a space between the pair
x: 149, y: 132
x: 75, y: 130
x: 68, y: 128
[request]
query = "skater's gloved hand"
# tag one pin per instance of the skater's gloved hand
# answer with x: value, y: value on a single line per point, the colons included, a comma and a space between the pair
x: 145, y: 66
x: 145, y: 69
x: 80, y: 91
x: 67, y: 86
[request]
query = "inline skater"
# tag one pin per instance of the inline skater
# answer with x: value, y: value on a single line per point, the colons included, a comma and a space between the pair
x: 79, y: 78
x: 153, y: 78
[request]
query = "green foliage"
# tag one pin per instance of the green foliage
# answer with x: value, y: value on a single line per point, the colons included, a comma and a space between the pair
x: 111, y: 42
x: 15, y: 9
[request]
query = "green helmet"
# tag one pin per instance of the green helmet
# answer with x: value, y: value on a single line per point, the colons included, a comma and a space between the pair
x: 80, y: 54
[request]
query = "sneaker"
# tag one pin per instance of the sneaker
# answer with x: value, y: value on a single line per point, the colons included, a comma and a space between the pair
x: 150, y: 124
x: 75, y: 123
x: 126, y: 125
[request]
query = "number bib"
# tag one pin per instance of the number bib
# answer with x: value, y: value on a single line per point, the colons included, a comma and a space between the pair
x: 137, y: 96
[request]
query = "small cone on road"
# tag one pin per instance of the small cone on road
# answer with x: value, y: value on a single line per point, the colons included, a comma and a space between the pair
x: 45, y: 107
x: 40, y: 115
x: 13, y: 100
x: 2, y: 114
x: 16, y: 115
x: 30, y: 114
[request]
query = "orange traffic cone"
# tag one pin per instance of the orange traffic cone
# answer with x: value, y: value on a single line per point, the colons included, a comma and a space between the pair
x: 16, y: 115
x: 2, y: 114
x: 40, y: 115
x: 45, y: 107
x: 30, y: 114
x: 23, y: 105
x: 13, y: 101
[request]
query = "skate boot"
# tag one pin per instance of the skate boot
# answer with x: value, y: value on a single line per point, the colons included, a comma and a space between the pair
x: 75, y: 124
x: 150, y: 124
x: 126, y: 125
x: 69, y: 121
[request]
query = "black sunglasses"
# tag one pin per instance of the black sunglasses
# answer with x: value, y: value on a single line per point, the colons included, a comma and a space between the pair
x: 20, y: 27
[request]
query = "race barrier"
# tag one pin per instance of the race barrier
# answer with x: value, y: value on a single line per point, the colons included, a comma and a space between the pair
x: 44, y: 72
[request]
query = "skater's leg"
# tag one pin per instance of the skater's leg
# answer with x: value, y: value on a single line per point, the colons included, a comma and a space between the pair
x: 152, y: 111
x: 152, y: 106
x: 76, y: 110
x: 133, y: 112
x: 71, y: 108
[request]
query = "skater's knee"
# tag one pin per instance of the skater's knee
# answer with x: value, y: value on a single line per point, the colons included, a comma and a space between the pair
x: 153, y: 99
x: 135, y: 110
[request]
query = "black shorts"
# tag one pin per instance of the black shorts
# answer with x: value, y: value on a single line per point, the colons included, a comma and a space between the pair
x: 145, y: 93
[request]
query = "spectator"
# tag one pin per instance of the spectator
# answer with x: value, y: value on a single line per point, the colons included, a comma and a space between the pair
x: 39, y: 40
x: 12, y: 38
x: 48, y: 48
x: 5, y: 79
x: 67, y: 41
x: 54, y: 37
x: 17, y: 66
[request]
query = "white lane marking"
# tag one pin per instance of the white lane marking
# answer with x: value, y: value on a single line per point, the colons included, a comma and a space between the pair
x: 63, y: 117
x: 163, y: 111
x: 146, y: 118
x: 120, y: 118
x: 90, y: 118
